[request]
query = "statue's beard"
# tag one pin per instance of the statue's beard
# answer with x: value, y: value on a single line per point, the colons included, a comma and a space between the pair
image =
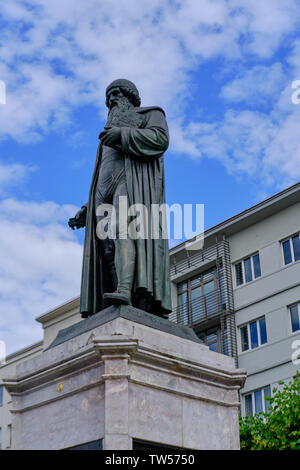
x: 124, y: 114
x: 122, y: 103
x: 118, y: 111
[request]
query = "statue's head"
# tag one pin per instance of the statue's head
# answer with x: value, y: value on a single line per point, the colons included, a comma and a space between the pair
x: 120, y: 88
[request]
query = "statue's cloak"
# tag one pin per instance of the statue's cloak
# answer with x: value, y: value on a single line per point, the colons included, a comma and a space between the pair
x: 143, y: 147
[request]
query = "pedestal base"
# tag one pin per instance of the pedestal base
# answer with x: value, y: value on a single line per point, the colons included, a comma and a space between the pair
x: 123, y: 380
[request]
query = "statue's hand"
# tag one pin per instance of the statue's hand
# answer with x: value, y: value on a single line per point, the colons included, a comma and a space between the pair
x: 111, y: 137
x: 79, y: 220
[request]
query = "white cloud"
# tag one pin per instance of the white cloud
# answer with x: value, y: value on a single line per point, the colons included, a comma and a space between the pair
x: 294, y: 58
x: 60, y: 54
x: 281, y: 159
x: 236, y: 141
x: 256, y: 85
x: 262, y: 145
x: 40, y: 266
x: 13, y: 174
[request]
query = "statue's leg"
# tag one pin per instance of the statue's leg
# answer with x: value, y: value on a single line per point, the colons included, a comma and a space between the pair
x: 107, y: 245
x: 124, y: 251
x: 107, y: 249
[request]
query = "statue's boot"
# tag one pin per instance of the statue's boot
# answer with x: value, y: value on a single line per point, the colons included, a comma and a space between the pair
x: 125, y: 264
x: 111, y: 279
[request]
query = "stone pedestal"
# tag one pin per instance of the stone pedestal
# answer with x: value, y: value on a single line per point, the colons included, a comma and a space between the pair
x: 122, y: 376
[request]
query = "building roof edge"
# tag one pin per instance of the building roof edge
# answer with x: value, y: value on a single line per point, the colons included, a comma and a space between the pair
x: 253, y: 214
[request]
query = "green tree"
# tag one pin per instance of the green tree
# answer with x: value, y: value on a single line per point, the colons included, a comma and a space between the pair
x: 279, y: 427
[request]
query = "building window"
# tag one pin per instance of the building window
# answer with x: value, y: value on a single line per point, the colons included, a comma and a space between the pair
x: 1, y: 394
x: 213, y: 339
x: 291, y: 249
x: 295, y: 317
x: 257, y: 401
x: 247, y: 269
x: 9, y: 428
x: 254, y: 334
x: 201, y: 296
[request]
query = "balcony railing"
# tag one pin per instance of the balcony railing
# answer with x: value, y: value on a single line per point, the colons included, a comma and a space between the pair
x: 201, y: 308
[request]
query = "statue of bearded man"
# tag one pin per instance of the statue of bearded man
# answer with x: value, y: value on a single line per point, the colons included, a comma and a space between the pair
x: 129, y: 164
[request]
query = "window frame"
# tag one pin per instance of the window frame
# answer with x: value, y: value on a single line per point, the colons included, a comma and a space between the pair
x: 219, y: 339
x: 201, y: 283
x: 260, y: 344
x: 1, y: 395
x: 252, y: 393
x: 290, y: 317
x: 289, y: 239
x: 242, y: 263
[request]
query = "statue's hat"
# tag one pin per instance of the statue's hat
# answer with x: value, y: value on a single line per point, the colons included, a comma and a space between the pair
x: 122, y: 82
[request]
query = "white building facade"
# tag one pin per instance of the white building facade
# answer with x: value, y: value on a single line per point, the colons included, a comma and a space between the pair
x: 241, y: 293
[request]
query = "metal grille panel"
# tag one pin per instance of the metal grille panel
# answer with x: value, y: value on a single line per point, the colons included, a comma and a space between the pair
x: 217, y: 306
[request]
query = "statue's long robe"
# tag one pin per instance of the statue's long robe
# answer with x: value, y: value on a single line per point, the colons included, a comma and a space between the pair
x: 143, y: 149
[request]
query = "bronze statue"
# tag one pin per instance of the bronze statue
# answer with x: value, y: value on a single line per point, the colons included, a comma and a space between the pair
x: 129, y: 163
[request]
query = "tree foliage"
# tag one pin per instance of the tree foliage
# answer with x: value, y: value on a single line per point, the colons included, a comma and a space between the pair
x: 279, y: 427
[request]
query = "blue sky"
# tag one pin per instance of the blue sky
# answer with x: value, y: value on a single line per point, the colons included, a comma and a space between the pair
x: 223, y: 72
